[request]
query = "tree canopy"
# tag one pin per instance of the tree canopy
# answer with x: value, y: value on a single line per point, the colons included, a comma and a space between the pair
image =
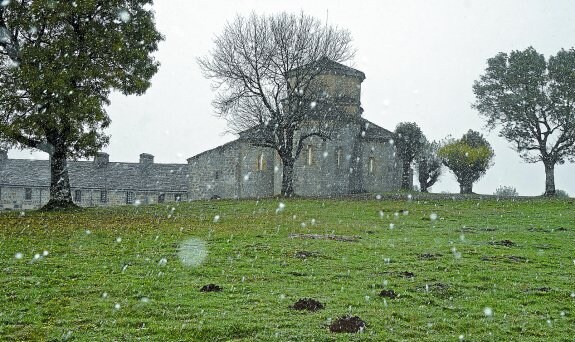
x: 409, y: 142
x: 468, y: 158
x: 428, y: 165
x: 532, y: 103
x: 59, y: 61
x: 265, y: 69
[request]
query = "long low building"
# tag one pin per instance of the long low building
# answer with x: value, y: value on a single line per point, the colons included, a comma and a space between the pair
x: 360, y: 157
x: 25, y: 184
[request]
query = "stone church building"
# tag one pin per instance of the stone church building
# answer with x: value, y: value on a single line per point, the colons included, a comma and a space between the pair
x: 359, y: 158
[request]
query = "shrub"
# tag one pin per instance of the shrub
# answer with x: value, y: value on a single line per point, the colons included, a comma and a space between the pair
x: 506, y: 191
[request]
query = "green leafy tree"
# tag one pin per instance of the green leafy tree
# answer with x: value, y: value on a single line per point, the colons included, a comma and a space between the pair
x: 409, y: 141
x: 532, y: 102
x: 429, y: 165
x: 59, y: 61
x: 468, y: 158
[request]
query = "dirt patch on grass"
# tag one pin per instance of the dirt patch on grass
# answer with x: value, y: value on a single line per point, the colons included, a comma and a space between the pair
x: 325, y: 237
x: 347, y: 324
x: 406, y: 274
x: 438, y: 289
x: 505, y: 258
x: 515, y: 258
x: 211, y: 288
x: 388, y: 294
x: 506, y: 243
x: 429, y: 256
x: 305, y: 254
x: 308, y: 304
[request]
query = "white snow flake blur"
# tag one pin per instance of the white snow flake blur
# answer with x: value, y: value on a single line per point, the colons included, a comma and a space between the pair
x: 192, y: 252
x: 487, y: 311
x: 124, y: 15
x: 280, y: 208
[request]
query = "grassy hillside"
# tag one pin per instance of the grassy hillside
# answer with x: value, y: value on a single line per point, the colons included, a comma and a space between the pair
x: 474, y: 270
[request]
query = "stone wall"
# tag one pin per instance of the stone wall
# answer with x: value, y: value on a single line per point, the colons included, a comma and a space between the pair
x: 323, y: 176
x: 378, y: 167
x: 215, y: 173
x: 14, y: 197
x: 234, y: 170
x: 257, y: 171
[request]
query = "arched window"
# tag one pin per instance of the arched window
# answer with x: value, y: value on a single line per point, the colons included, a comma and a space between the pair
x: 371, y: 165
x: 261, y: 162
x: 338, y: 156
x: 309, y: 154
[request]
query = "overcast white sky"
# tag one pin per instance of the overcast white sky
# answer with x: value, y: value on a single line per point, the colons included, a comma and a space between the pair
x: 420, y: 59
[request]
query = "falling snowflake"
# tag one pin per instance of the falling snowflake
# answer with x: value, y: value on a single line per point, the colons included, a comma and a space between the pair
x: 192, y: 252
x: 280, y: 208
x: 124, y: 15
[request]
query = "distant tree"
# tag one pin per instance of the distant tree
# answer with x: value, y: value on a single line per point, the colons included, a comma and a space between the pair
x: 265, y: 68
x: 428, y: 165
x: 561, y: 193
x: 468, y: 158
x: 532, y: 102
x: 59, y: 60
x: 506, y: 191
x: 409, y: 141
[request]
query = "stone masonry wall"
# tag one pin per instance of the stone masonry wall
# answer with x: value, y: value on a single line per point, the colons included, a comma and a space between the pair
x: 215, y: 173
x: 13, y: 198
x: 324, y: 177
x: 257, y: 171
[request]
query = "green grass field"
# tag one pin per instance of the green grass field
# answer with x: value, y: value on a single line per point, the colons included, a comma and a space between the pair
x: 472, y: 269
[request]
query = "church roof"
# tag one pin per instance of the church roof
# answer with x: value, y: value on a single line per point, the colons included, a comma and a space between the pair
x: 87, y: 175
x: 329, y: 66
x: 373, y: 131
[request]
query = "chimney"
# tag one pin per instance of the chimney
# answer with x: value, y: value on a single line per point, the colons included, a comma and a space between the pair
x: 146, y: 159
x: 3, y: 155
x: 101, y: 159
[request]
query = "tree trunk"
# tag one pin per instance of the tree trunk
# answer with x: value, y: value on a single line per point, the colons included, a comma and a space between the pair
x: 466, y: 188
x: 405, y: 183
x: 549, y: 179
x: 287, y: 177
x: 423, y: 175
x: 60, y: 195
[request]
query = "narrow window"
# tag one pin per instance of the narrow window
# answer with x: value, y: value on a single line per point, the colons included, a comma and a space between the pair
x: 309, y: 154
x: 371, y: 165
x: 339, y: 154
x: 261, y: 162
x: 217, y: 175
x: 103, y: 196
x: 78, y: 196
x: 161, y: 198
x: 28, y: 194
x: 129, y: 197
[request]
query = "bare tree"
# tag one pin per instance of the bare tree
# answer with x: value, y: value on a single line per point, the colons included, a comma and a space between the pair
x: 266, y: 70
